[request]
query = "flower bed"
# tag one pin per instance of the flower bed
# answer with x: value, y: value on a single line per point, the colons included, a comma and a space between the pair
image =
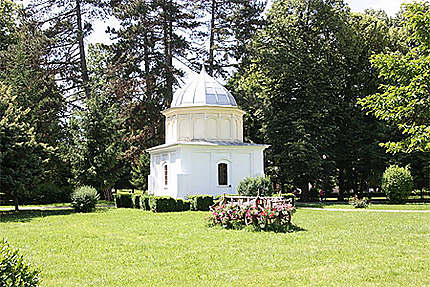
x: 237, y: 215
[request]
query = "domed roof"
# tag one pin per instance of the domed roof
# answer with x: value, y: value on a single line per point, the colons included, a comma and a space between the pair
x: 203, y: 90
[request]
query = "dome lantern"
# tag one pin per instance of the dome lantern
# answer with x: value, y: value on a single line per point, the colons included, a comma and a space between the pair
x: 203, y: 110
x: 203, y: 90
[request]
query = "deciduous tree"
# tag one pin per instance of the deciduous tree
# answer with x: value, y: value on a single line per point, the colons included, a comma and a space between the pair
x: 404, y: 97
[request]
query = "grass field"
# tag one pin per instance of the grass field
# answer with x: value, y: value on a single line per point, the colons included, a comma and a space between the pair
x: 125, y: 247
x: 47, y: 205
x: 409, y: 206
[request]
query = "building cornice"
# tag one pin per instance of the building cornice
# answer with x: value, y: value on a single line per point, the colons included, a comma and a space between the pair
x: 208, y: 144
x: 203, y: 108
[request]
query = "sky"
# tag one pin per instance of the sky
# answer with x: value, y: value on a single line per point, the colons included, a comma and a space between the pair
x: 390, y: 6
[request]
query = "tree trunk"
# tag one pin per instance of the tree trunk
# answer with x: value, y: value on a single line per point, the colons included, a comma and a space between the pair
x: 282, y: 182
x: 108, y: 194
x: 148, y: 78
x: 146, y: 60
x: 341, y: 179
x: 83, y: 61
x: 168, y: 38
x: 304, y: 195
x: 212, y: 39
x: 15, y: 201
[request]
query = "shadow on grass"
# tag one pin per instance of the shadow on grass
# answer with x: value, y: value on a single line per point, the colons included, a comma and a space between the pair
x: 250, y: 228
x: 28, y: 215
x: 295, y: 228
x: 310, y: 204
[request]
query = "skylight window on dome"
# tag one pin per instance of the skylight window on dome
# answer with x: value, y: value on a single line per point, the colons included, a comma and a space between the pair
x: 210, y: 90
x: 211, y: 99
x: 232, y: 100
x: 222, y: 99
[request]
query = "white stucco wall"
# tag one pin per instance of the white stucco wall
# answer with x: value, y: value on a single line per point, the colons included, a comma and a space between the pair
x: 209, y: 123
x: 193, y: 169
x: 156, y: 184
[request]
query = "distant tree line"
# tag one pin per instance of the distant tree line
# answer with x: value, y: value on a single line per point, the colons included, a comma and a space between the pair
x: 72, y: 114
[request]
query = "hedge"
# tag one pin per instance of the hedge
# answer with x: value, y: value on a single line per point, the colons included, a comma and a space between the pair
x: 135, y: 200
x: 124, y: 200
x: 135, y: 191
x: 162, y: 203
x: 201, y: 202
x: 218, y: 197
x: 144, y: 202
x: 187, y: 205
x: 183, y: 205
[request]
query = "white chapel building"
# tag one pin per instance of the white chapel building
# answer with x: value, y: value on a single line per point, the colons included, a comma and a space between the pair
x: 204, y: 151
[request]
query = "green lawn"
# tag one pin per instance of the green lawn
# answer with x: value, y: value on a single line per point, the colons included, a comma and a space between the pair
x: 47, y: 205
x: 409, y: 206
x: 125, y: 247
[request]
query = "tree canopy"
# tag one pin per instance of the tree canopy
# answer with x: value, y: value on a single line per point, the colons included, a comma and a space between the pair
x: 404, y: 97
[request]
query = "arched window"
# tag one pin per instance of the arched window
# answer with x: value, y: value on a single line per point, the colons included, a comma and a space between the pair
x: 222, y: 173
x: 165, y: 174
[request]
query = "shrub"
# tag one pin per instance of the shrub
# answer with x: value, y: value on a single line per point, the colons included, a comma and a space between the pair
x: 162, y: 203
x: 135, y: 200
x: 218, y: 197
x: 134, y: 191
x: 14, y: 271
x: 144, y: 202
x: 237, y: 216
x: 201, y: 202
x: 397, y: 183
x: 84, y: 199
x: 253, y: 186
x: 179, y: 205
x: 359, y: 202
x: 187, y: 205
x: 182, y: 205
x: 124, y: 200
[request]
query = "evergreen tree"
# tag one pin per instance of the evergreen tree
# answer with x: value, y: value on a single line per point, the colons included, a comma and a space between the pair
x: 140, y: 172
x: 25, y: 71
x: 67, y: 24
x: 95, y: 151
x: 20, y: 154
x: 232, y: 24
x: 142, y: 74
